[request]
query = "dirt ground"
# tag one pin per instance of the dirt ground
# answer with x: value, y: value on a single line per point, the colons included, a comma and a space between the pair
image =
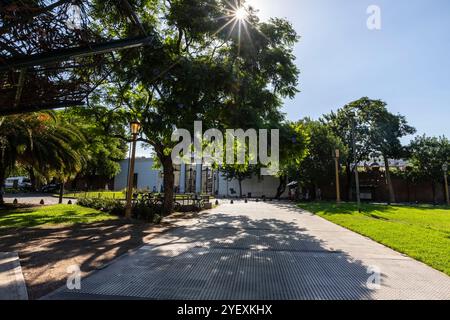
x: 45, y: 252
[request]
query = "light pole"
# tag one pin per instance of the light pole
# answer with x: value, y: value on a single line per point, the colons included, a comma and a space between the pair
x: 447, y: 196
x: 135, y: 128
x: 338, y: 187
x: 358, y: 194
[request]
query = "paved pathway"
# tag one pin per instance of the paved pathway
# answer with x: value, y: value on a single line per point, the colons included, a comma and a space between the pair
x: 261, y: 251
x: 33, y: 198
x: 12, y: 283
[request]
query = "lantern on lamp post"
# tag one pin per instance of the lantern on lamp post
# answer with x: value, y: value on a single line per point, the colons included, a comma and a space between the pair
x: 447, y: 196
x: 135, y: 127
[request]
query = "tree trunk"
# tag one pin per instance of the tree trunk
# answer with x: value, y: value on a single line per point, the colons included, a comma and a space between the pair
x: 240, y: 188
x: 281, y: 187
x: 169, y: 183
x: 61, y: 192
x: 32, y: 178
x: 2, y: 185
x: 389, y: 181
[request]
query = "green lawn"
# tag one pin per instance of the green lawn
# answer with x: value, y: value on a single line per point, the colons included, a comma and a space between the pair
x: 119, y: 195
x: 422, y: 232
x: 58, y: 214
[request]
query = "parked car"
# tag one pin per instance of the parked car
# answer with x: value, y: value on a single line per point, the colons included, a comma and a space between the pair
x: 51, y: 188
x: 20, y: 183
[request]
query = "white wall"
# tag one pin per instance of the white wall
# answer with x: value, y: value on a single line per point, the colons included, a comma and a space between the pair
x: 263, y: 186
x: 148, y: 178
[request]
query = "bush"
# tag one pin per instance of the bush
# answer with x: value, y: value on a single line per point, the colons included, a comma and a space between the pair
x: 148, y: 213
x: 141, y: 211
x: 114, y: 207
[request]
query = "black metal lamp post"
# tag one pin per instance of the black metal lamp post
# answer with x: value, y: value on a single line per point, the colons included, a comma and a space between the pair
x: 135, y: 128
x: 358, y: 194
x: 447, y: 196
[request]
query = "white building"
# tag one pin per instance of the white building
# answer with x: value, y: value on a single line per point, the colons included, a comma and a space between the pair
x: 146, y: 177
x: 194, y: 179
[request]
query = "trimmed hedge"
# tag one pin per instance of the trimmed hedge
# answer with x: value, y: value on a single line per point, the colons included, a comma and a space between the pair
x: 114, y: 207
x: 117, y: 207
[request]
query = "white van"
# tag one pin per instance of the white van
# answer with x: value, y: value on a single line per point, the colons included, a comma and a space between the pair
x: 19, y: 182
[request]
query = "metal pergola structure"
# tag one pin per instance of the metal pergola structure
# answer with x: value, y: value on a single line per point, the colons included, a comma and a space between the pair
x: 46, y: 63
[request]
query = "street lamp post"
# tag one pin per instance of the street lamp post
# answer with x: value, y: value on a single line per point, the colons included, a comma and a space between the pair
x: 447, y: 196
x: 358, y: 194
x: 338, y: 187
x: 135, y: 128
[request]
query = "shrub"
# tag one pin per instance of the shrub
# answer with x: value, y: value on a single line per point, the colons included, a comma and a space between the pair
x: 141, y: 211
x: 114, y: 207
x: 147, y: 213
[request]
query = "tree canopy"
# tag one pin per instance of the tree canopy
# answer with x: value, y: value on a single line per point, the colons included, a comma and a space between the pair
x: 206, y: 65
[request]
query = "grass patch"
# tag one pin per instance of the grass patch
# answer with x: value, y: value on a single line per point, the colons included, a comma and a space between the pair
x: 421, y: 232
x: 117, y: 195
x: 56, y: 215
x: 114, y: 195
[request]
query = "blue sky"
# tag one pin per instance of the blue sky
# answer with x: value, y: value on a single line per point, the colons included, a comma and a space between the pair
x: 406, y: 63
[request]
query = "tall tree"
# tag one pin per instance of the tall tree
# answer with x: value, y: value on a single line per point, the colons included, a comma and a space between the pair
x: 41, y: 142
x: 208, y: 64
x: 318, y: 167
x: 428, y: 154
x: 351, y: 125
x: 102, y: 150
x: 385, y: 133
x: 294, y: 140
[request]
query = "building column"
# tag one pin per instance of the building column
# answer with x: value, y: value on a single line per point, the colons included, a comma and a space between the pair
x: 198, y: 179
x: 183, y: 178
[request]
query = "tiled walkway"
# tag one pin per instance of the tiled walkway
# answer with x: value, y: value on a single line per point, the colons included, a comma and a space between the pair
x: 262, y: 251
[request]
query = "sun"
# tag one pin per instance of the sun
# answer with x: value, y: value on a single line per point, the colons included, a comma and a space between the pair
x: 239, y: 18
x: 241, y: 14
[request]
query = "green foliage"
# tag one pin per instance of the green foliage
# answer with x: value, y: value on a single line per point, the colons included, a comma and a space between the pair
x: 197, y: 68
x: 103, y: 151
x: 428, y: 155
x: 147, y: 213
x: 114, y: 207
x: 354, y: 121
x: 117, y: 207
x: 318, y: 168
x: 368, y: 129
x: 294, y: 141
x: 375, y: 129
x: 40, y: 141
x: 115, y: 195
x: 386, y: 131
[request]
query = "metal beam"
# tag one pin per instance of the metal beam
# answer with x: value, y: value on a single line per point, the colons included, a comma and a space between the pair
x: 66, y: 54
x: 34, y: 14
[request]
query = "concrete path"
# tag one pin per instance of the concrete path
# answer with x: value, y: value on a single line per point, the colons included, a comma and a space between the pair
x: 34, y: 198
x: 262, y: 251
x: 12, y: 283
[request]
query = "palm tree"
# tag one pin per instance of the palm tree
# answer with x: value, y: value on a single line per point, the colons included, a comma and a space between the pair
x: 14, y: 131
x: 42, y: 143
